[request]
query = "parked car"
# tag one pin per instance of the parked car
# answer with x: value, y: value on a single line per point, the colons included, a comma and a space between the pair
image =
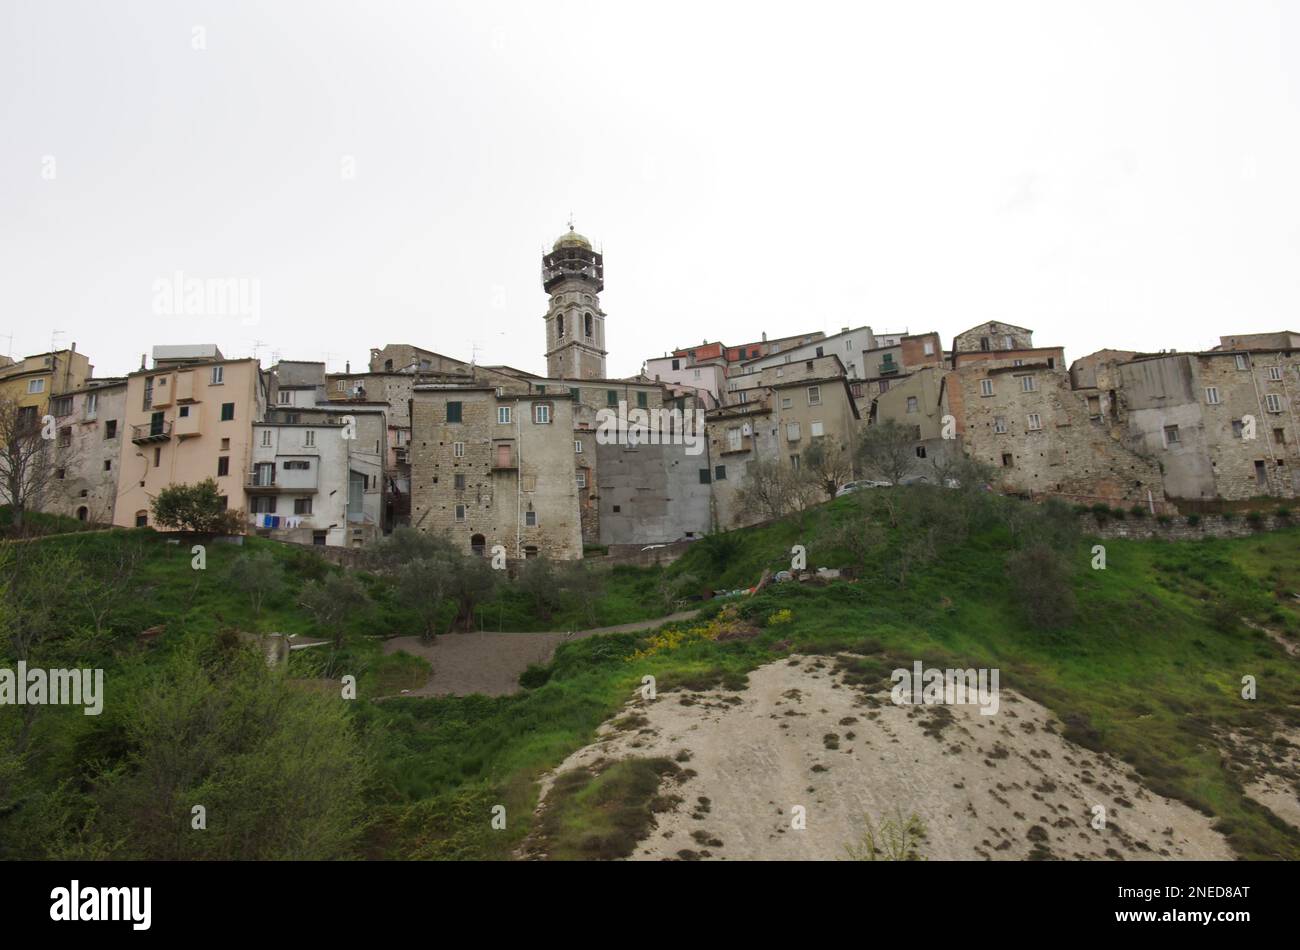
x: 849, y: 488
x: 914, y: 480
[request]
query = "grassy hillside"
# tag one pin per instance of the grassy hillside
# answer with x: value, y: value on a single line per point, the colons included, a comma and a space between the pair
x: 1146, y: 662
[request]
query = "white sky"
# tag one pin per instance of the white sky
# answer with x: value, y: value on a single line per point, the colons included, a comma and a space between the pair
x: 1107, y: 174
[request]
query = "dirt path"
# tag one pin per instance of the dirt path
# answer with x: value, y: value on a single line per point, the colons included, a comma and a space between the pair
x: 490, y: 663
x: 1005, y: 786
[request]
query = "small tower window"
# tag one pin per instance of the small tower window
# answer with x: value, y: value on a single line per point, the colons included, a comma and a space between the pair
x: 588, y: 318
x: 559, y: 322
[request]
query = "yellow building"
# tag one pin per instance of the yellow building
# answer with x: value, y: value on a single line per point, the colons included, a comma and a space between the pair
x: 31, y: 382
x: 188, y: 419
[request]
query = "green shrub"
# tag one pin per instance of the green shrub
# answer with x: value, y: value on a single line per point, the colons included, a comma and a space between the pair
x: 534, y: 676
x: 1165, y: 519
x: 1254, y: 519
x: 1137, y: 511
x: 1193, y: 520
x: 1283, y: 512
x: 1117, y: 513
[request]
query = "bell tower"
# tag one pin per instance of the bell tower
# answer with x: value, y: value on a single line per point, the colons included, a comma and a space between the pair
x: 574, y: 275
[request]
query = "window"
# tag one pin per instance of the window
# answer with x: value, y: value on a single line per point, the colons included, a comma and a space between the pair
x: 460, y: 513
x: 263, y: 504
x: 108, y: 465
x: 301, y: 465
x: 920, y: 451
x: 459, y: 483
x: 309, y: 438
x: 819, y: 351
x: 223, y: 465
x: 1241, y: 361
x: 1279, y: 436
x: 611, y: 397
x: 35, y: 386
x: 928, y: 348
x: 110, y: 429
x: 65, y: 436
x: 218, y: 375
x: 141, y: 519
x: 588, y: 323
x: 1212, y: 395
x: 530, y: 519
x: 157, y: 456
x: 719, y: 473
x: 814, y: 395
x: 302, y: 506
x: 1006, y: 459
x: 986, y: 387
x: 913, y: 404
x: 453, y: 411
x: 184, y: 412
x: 542, y: 413
x: 1275, y: 373
x: 59, y: 473
x: 582, y: 478
x: 577, y: 446
x: 1027, y: 384
x: 704, y: 476
x: 225, y: 445
x: 1000, y: 424
x: 1237, y: 429
x: 794, y: 462
x: 458, y: 450
x: 341, y: 386
x: 787, y: 402
x: 266, y: 438
x: 1017, y: 362
x: 815, y: 430
x: 574, y: 394
x: 1273, y: 402
x: 733, y: 439
x: 61, y: 406
x: 677, y: 364
x: 792, y: 432
x: 284, y: 396
x: 503, y: 415
x: 1008, y: 342
x: 642, y: 400
x: 227, y: 411
x: 1034, y: 421
x: 1171, y: 435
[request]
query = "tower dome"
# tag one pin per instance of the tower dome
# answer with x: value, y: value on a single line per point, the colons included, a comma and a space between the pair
x: 571, y: 238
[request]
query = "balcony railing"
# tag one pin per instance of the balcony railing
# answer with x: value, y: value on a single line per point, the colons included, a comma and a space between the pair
x: 151, y: 432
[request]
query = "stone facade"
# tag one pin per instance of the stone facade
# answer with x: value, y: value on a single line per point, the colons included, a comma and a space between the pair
x: 482, y: 476
x: 1222, y: 423
x: 1026, y: 421
x: 993, y: 335
x: 87, y: 451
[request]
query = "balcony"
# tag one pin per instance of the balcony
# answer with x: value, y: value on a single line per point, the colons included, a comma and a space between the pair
x: 151, y: 432
x: 887, y: 368
x: 744, y: 444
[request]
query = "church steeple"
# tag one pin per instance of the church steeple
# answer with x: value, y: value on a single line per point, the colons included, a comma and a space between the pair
x: 574, y: 275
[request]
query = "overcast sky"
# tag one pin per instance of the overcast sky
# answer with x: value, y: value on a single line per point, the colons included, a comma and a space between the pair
x: 1118, y: 175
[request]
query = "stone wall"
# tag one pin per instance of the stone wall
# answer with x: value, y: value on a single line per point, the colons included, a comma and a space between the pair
x: 1179, y: 529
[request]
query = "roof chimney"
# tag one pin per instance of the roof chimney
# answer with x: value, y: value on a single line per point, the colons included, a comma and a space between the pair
x: 142, y: 356
x: 764, y: 336
x: 844, y: 329
x: 347, y: 367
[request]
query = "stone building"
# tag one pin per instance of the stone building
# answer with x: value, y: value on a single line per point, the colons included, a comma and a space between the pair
x: 994, y: 335
x: 1221, y: 422
x: 1017, y: 411
x: 87, y: 450
x: 491, y: 467
x: 574, y: 276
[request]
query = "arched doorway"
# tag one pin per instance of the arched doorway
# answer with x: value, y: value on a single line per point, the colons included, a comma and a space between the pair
x: 478, y: 544
x: 83, y: 513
